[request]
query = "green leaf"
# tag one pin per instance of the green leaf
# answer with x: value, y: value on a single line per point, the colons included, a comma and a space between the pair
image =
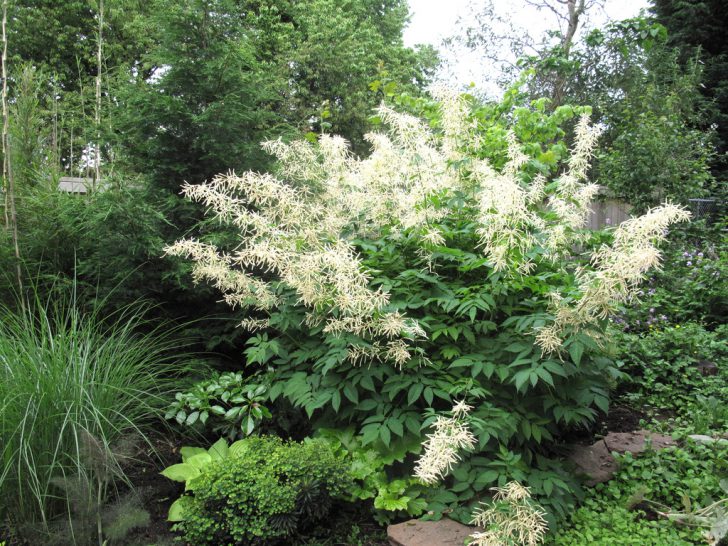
x: 428, y: 394
x: 336, y: 400
x: 367, y: 383
x: 414, y: 393
x: 181, y: 472
x: 178, y: 509
x: 219, y: 450
x: 188, y: 452
x: 576, y: 350
x: 367, y: 405
x: 351, y: 393
x: 201, y: 460
x: 385, y: 435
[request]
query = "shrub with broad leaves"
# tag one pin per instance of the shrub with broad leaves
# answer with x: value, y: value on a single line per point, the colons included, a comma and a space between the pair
x: 445, y: 265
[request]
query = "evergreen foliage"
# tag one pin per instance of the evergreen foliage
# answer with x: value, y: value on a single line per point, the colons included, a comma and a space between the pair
x: 697, y: 27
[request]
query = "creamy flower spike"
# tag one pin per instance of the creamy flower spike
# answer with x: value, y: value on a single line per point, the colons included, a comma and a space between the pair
x: 518, y: 521
x: 617, y: 271
x: 296, y: 227
x: 443, y: 446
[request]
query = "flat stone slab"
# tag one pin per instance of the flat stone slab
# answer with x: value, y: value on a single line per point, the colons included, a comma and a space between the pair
x: 707, y: 440
x: 594, y: 461
x: 445, y: 532
x: 636, y: 442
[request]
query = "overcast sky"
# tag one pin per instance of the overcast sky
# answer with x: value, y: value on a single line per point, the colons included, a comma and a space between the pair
x: 434, y: 20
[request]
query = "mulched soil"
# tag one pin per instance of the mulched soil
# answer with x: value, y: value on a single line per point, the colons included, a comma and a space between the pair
x: 157, y: 493
x: 621, y: 418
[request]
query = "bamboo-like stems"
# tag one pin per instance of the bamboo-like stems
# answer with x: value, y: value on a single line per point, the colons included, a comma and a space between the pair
x: 11, y: 218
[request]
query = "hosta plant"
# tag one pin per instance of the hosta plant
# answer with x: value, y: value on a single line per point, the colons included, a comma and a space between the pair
x: 443, y: 265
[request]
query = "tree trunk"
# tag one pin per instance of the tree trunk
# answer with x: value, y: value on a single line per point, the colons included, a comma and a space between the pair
x: 11, y: 219
x: 97, y: 112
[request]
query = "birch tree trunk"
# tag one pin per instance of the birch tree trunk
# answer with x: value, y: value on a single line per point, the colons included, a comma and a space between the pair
x: 97, y: 112
x: 11, y: 219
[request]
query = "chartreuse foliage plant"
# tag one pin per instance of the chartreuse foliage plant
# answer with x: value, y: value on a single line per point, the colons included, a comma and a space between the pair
x: 257, y: 491
x: 441, y: 267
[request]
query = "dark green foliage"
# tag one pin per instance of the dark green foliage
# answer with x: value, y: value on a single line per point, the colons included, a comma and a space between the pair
x: 659, y: 142
x: 270, y: 491
x: 110, y: 244
x: 697, y: 27
x: 210, y: 101
x: 691, y: 287
x: 678, y: 478
x: 654, y: 147
x: 228, y: 404
x: 62, y: 37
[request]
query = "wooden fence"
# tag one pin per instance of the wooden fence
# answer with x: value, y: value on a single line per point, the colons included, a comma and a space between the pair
x: 608, y: 212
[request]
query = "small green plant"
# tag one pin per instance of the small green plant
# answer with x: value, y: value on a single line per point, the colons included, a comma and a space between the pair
x: 511, y: 519
x: 257, y: 491
x: 391, y: 497
x: 229, y: 404
x: 194, y: 462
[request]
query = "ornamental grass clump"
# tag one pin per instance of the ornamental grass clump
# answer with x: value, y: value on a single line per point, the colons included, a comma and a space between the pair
x: 75, y: 392
x: 446, y: 265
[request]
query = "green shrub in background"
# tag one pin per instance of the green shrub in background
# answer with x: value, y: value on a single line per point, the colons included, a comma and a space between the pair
x: 108, y: 245
x: 681, y: 368
x: 690, y: 287
x: 74, y: 388
x: 261, y: 491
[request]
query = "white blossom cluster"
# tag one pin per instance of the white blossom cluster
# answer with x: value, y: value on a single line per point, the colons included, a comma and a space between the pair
x: 616, y: 273
x: 296, y: 227
x: 512, y: 519
x: 442, y: 447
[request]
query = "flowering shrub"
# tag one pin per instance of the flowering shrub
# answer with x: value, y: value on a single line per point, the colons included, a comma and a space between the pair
x: 442, y: 266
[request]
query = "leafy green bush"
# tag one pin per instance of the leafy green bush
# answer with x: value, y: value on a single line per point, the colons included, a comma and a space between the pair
x: 681, y: 368
x: 108, y: 246
x: 263, y: 490
x: 228, y: 403
x: 440, y: 268
x: 73, y: 387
